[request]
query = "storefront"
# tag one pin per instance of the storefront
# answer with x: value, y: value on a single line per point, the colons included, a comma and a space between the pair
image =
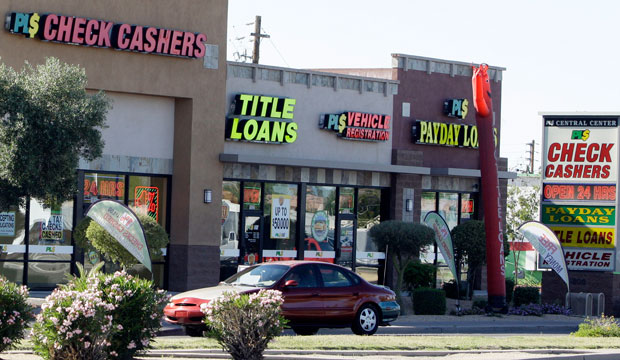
x: 437, y: 129
x: 160, y: 68
x: 315, y: 191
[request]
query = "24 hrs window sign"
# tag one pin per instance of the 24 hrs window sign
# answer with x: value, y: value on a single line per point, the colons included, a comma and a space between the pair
x: 106, y: 34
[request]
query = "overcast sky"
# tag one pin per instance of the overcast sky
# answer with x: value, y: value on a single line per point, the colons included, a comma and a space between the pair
x: 558, y: 55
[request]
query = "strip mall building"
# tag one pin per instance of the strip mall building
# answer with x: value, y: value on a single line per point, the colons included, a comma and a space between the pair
x: 243, y: 163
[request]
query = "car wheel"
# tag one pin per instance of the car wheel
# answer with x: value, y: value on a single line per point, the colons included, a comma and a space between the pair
x: 305, y: 331
x: 366, y: 321
x: 193, y: 331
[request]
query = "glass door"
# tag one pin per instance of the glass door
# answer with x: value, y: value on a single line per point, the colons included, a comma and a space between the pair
x: 252, y: 238
x: 345, y: 242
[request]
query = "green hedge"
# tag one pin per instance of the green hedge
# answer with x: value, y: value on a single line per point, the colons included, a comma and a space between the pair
x: 418, y: 275
x: 427, y: 301
x: 525, y: 295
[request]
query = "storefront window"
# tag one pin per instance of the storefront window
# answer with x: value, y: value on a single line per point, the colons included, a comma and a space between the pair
x: 367, y: 254
x: 319, y: 232
x: 229, y: 243
x: 49, y: 240
x: 449, y: 207
x: 346, y: 200
x: 467, y: 207
x: 103, y: 186
x: 12, y: 245
x: 251, y: 196
x: 428, y: 204
x: 280, y: 219
x: 147, y: 195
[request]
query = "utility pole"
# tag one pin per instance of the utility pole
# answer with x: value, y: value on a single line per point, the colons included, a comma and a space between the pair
x: 532, y: 146
x: 257, y: 35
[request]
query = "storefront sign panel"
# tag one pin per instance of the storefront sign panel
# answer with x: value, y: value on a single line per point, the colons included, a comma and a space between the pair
x: 106, y: 34
x: 457, y: 108
x: 586, y: 259
x: 353, y: 125
x: 280, y: 217
x: 579, y: 192
x: 147, y: 200
x: 582, y: 154
x: 446, y: 134
x: 263, y: 119
x: 100, y: 186
x: 579, y: 215
x: 590, y: 237
x: 7, y: 223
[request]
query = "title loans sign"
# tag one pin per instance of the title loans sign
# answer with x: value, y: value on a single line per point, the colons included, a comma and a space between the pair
x: 259, y: 118
x: 106, y: 34
x: 357, y: 126
x: 588, y: 152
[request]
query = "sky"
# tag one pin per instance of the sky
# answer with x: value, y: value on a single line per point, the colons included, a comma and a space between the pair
x: 560, y: 56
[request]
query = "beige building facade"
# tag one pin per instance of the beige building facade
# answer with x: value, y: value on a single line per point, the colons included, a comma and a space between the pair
x: 162, y: 63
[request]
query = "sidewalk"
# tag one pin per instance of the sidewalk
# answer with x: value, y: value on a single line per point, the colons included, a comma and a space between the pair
x: 595, y: 354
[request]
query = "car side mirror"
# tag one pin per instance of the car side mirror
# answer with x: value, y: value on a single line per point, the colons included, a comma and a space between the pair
x: 290, y: 283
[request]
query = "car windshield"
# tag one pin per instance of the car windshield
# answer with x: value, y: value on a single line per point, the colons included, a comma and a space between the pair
x: 259, y: 276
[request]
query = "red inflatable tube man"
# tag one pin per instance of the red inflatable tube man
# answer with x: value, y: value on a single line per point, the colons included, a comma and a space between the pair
x: 496, y: 272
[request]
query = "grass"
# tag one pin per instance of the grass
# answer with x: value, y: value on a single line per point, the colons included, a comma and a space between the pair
x: 353, y: 342
x: 417, y: 342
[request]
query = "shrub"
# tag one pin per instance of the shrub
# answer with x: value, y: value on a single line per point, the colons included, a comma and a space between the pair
x: 539, y: 310
x: 605, y: 326
x: 451, y: 290
x: 245, y: 324
x: 138, y: 308
x: 525, y: 295
x: 14, y: 313
x: 99, y: 316
x: 419, y: 275
x: 480, y: 304
x: 74, y: 324
x: 427, y: 301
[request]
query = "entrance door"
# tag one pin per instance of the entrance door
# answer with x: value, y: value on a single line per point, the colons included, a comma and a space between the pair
x: 252, y: 238
x: 345, y: 241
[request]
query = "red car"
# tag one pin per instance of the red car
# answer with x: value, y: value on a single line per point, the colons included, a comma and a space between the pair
x: 316, y: 295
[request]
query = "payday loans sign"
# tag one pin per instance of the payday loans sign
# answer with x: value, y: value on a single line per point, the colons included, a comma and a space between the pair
x: 83, y: 31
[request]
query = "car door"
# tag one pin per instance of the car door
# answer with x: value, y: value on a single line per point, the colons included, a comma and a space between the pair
x: 340, y: 293
x: 302, y: 304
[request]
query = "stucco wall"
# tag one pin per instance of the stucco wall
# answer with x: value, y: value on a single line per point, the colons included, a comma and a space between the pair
x: 312, y: 142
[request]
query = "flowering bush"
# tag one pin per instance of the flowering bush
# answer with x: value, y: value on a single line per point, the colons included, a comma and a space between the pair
x: 14, y: 313
x: 244, y: 324
x: 98, y: 317
x: 539, y: 310
x: 605, y: 326
x: 74, y: 324
x: 137, y: 314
